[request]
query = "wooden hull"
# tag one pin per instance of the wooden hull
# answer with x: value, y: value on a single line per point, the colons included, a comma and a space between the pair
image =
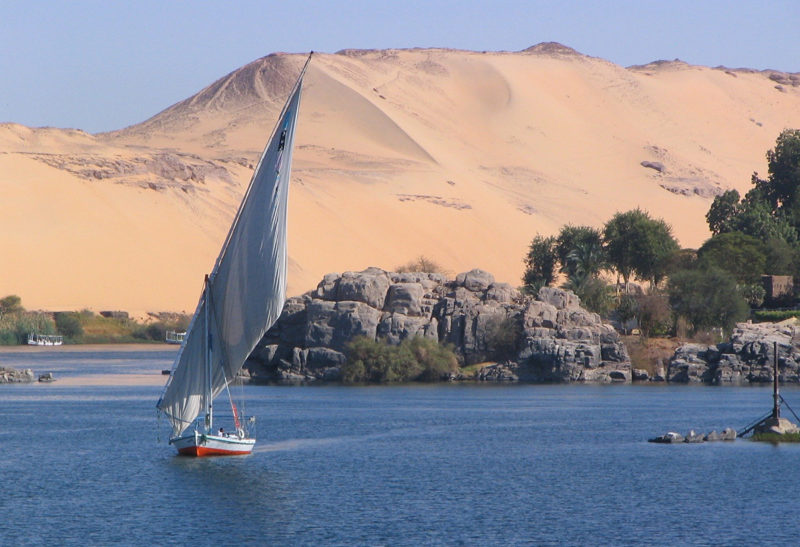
x: 199, y: 445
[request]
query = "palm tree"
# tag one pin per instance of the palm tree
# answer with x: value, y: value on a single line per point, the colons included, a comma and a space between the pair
x: 585, y: 261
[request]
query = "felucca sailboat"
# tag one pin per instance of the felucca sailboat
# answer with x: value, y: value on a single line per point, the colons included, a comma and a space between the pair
x: 242, y: 298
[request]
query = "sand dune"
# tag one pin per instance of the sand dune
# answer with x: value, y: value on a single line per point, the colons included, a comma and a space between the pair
x: 459, y: 156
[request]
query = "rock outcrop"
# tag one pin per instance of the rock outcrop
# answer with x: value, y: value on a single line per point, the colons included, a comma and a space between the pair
x: 550, y: 338
x: 14, y: 376
x: 728, y: 434
x: 747, y: 358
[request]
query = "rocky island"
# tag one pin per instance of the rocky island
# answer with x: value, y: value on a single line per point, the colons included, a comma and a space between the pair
x: 745, y: 358
x: 549, y: 338
x: 14, y: 376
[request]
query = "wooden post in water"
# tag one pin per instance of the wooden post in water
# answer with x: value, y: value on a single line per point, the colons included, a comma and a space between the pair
x: 776, y: 407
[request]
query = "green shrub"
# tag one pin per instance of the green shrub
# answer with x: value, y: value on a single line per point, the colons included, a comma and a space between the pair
x: 654, y: 314
x: 420, y: 264
x: 596, y: 295
x: 69, y: 325
x: 503, y: 336
x: 706, y: 298
x: 776, y: 437
x: 627, y: 309
x: 775, y: 315
x: 435, y: 359
x: 753, y: 294
x: 155, y: 332
x: 11, y: 304
x: 416, y: 359
x: 540, y: 264
x: 16, y: 325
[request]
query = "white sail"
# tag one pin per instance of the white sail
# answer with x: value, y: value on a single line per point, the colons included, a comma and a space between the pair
x: 247, y: 288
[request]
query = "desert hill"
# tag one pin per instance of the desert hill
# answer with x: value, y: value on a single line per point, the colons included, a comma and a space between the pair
x: 459, y: 156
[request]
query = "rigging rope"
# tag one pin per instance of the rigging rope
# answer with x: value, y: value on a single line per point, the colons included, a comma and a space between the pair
x: 790, y: 408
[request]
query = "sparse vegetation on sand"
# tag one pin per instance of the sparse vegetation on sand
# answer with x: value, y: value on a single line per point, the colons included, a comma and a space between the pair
x: 420, y: 264
x: 83, y: 327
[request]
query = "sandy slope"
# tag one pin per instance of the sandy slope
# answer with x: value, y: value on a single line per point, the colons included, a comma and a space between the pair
x: 460, y: 156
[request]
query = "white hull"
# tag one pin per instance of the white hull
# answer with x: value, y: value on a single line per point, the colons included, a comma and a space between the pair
x: 200, y: 444
x: 45, y: 340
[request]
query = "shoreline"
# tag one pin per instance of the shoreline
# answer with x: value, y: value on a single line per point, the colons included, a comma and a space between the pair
x: 156, y: 378
x: 77, y: 378
x: 73, y: 348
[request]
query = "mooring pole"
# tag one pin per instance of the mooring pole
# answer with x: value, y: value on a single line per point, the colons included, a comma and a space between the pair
x: 776, y: 406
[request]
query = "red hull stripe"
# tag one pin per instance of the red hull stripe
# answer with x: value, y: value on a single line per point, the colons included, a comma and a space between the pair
x: 205, y: 451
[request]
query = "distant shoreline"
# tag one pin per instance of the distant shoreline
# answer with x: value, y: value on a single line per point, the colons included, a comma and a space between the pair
x: 68, y: 348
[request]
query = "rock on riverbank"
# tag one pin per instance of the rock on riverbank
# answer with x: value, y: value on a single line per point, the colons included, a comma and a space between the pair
x: 746, y: 358
x: 550, y: 338
x: 14, y: 376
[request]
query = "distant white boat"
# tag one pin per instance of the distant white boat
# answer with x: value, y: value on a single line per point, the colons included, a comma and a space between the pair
x: 35, y: 339
x: 242, y: 298
x: 174, y: 337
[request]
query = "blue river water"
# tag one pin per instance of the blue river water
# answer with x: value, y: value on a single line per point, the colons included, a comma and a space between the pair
x: 85, y: 464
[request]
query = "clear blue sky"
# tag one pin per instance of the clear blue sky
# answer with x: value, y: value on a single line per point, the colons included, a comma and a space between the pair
x: 103, y: 65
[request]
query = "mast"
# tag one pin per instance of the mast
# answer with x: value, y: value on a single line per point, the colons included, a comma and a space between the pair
x: 246, y: 286
x: 209, y: 401
x: 776, y: 397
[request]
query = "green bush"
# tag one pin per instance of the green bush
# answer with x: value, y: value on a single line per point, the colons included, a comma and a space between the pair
x: 69, y: 325
x: 627, y: 309
x: 596, y: 295
x: 775, y: 315
x: 706, y: 298
x: 155, y: 332
x: 753, y: 294
x: 776, y: 437
x: 654, y: 314
x: 420, y: 264
x: 540, y: 264
x: 17, y: 324
x: 416, y: 359
x: 11, y: 304
x: 503, y: 336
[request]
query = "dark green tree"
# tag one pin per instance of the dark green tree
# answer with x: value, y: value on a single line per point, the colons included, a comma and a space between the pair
x: 660, y: 246
x: 740, y: 255
x: 706, y: 297
x: 586, y: 260
x: 69, y: 324
x: 781, y: 258
x: 10, y: 304
x: 722, y: 212
x: 620, y: 236
x: 627, y: 309
x: 782, y: 186
x: 684, y: 259
x: 755, y: 217
x: 636, y: 243
x: 540, y: 264
x: 585, y: 244
x: 771, y: 209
